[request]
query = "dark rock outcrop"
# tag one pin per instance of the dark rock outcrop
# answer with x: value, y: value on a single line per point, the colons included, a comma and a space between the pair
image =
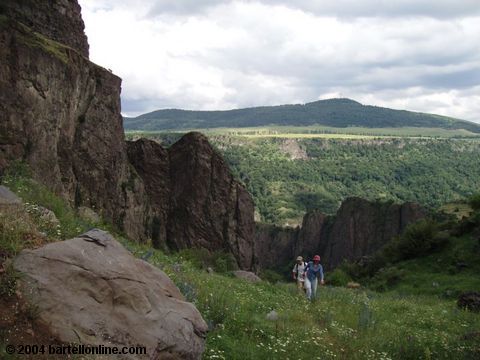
x: 362, y: 227
x: 91, y: 290
x: 61, y: 114
x: 195, y: 200
x: 359, y: 228
x: 469, y: 301
x: 58, y: 20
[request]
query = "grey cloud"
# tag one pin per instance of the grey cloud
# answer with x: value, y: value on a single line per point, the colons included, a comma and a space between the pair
x: 430, y: 63
x: 455, y: 79
x: 339, y: 8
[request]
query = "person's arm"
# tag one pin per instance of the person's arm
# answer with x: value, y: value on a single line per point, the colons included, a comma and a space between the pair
x: 321, y: 275
x: 294, y: 272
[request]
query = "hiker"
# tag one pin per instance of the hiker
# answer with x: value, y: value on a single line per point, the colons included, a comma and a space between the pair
x: 313, y: 272
x: 298, y: 272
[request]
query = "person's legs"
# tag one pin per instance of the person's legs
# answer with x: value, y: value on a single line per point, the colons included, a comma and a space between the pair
x: 299, y: 285
x: 308, y: 288
x: 314, y: 288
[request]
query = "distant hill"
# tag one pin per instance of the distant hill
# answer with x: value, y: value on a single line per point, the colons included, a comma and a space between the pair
x: 332, y: 112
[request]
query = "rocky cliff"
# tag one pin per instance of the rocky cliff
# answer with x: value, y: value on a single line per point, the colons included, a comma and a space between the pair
x: 359, y: 228
x: 60, y: 113
x: 195, y: 200
x: 58, y: 20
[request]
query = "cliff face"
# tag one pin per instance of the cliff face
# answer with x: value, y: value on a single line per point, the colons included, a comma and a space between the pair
x: 61, y: 114
x: 362, y: 227
x: 195, y: 199
x: 58, y: 20
x: 359, y: 228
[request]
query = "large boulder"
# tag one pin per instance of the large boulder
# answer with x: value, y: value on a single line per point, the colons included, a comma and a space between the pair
x: 91, y: 290
x: 246, y: 275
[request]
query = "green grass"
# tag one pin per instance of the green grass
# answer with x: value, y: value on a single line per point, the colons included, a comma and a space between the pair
x: 340, y: 324
x: 445, y: 273
x: 35, y: 196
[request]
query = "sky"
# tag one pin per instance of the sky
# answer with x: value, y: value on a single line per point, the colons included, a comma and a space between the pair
x: 419, y: 55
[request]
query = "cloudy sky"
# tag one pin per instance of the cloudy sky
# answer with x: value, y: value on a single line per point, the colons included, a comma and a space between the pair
x: 421, y: 55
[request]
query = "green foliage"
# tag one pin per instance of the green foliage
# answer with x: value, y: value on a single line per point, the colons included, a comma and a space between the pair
x: 418, y: 240
x: 428, y: 171
x: 386, y: 278
x: 338, y: 277
x: 201, y: 258
x: 474, y: 202
x: 17, y: 178
x: 271, y: 276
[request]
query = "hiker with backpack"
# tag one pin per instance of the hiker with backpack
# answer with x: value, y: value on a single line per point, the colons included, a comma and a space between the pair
x: 298, y: 272
x: 313, y: 272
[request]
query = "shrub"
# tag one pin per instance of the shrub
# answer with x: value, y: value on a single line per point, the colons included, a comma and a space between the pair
x: 338, y: 277
x: 474, y: 202
x: 271, y: 276
x: 387, y: 278
x: 218, y: 260
x: 419, y: 239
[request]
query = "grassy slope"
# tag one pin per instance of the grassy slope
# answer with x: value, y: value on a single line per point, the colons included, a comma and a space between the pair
x: 445, y: 273
x: 341, y: 324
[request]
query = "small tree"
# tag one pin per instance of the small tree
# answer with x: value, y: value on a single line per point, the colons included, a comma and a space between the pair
x: 474, y: 202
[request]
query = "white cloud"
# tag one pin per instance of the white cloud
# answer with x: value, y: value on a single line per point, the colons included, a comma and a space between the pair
x: 420, y: 55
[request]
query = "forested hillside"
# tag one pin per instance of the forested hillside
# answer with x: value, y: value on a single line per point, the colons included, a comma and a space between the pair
x: 332, y: 112
x: 289, y: 176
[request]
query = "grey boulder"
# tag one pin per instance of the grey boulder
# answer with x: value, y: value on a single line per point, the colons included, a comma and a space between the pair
x: 247, y: 275
x: 8, y: 198
x: 91, y: 290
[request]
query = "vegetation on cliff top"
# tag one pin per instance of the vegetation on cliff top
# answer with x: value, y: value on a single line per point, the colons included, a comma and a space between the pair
x: 288, y: 177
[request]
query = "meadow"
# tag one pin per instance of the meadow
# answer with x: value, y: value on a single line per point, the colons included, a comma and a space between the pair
x: 340, y: 324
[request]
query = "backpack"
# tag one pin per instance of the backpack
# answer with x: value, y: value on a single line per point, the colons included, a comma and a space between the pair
x: 296, y: 267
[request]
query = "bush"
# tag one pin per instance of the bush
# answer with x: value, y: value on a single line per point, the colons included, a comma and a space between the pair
x: 387, y: 278
x: 474, y: 202
x: 338, y: 277
x: 419, y: 239
x: 201, y: 258
x: 271, y: 276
